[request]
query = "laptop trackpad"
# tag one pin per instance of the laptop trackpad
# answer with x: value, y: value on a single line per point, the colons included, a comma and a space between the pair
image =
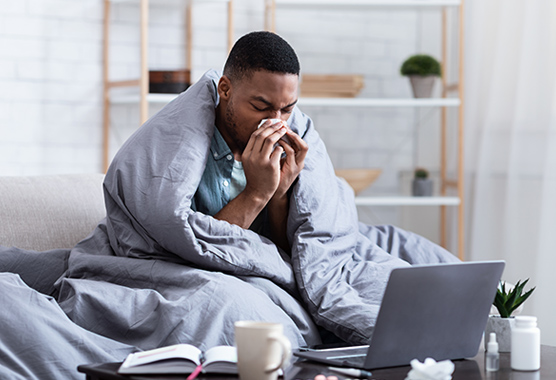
x: 343, y: 356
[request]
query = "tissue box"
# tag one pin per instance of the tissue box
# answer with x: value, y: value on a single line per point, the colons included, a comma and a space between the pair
x: 169, y: 81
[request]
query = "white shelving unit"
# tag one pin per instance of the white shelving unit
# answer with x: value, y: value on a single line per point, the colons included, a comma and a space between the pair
x: 318, y: 102
x: 143, y: 97
x: 372, y: 3
x: 407, y: 201
x: 379, y: 102
x: 445, y: 102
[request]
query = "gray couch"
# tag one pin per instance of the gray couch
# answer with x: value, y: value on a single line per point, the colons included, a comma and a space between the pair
x: 47, y: 212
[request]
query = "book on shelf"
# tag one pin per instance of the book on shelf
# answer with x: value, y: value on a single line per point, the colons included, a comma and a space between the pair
x: 181, y: 359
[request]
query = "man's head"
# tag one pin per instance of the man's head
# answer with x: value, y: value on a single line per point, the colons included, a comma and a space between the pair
x: 260, y: 51
x: 260, y: 81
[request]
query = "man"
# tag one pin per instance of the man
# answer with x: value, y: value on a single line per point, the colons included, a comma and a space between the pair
x: 255, y: 87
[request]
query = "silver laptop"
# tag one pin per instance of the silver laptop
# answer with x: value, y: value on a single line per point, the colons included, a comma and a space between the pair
x: 438, y: 311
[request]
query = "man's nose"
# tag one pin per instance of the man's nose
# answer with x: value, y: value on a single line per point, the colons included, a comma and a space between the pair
x: 276, y: 115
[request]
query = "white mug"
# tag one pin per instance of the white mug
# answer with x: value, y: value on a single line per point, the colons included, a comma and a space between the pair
x: 262, y: 349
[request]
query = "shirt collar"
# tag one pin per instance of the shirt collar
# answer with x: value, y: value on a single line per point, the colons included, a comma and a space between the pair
x: 218, y: 146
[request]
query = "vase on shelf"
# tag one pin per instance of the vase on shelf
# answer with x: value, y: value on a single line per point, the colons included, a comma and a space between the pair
x: 422, y: 86
x: 421, y: 185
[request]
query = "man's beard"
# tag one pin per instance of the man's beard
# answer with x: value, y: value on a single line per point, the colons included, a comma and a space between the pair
x: 232, y: 128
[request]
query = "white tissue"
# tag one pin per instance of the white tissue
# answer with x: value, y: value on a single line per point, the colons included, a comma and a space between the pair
x: 430, y: 369
x: 272, y: 121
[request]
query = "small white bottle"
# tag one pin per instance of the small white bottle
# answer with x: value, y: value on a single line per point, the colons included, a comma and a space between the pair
x: 492, y: 357
x: 526, y: 344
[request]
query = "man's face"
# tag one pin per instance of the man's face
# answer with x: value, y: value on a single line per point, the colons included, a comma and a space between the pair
x: 263, y: 95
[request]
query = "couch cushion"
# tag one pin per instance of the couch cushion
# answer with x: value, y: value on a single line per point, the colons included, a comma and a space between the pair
x: 47, y: 212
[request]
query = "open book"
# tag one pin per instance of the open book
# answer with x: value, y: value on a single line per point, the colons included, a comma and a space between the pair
x: 181, y: 359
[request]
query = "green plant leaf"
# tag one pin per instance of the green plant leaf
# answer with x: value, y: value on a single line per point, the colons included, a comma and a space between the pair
x: 507, y: 301
x: 500, y: 298
x: 499, y: 303
x: 522, y: 299
x: 421, y: 64
x: 512, y: 298
x: 503, y: 286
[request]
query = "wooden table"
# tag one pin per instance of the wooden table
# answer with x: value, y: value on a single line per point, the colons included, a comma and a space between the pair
x: 471, y: 369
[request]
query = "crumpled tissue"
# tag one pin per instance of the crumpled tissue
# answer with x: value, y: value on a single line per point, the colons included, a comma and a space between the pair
x: 430, y: 369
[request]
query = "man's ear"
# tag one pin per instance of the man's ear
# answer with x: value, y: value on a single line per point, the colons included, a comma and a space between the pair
x: 224, y: 87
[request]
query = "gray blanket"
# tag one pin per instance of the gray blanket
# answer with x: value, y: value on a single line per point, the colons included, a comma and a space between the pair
x: 156, y: 273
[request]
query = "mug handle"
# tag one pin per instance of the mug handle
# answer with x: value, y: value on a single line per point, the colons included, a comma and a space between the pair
x: 286, y: 352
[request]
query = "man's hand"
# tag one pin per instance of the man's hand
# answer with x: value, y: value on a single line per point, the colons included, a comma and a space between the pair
x: 289, y: 168
x: 292, y: 164
x: 261, y: 161
x: 269, y: 177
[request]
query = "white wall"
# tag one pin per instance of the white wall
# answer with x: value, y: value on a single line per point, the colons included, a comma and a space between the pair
x: 51, y: 83
x: 50, y: 86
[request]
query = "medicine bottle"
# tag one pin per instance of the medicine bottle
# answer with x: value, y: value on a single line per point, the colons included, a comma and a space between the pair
x: 492, y: 357
x: 526, y: 344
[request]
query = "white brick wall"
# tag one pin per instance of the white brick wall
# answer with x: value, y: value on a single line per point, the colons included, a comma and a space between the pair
x: 51, y: 79
x: 50, y: 83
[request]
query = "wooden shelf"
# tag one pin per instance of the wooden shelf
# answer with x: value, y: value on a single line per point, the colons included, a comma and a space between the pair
x: 407, y: 201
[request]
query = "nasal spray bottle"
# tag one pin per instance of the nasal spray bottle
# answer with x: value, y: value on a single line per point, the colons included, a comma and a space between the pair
x: 492, y: 356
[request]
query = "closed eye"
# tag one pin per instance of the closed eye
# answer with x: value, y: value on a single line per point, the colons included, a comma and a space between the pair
x: 260, y: 109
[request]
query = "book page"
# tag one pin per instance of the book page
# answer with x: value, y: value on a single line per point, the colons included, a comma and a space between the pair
x: 177, y: 351
x: 220, y: 354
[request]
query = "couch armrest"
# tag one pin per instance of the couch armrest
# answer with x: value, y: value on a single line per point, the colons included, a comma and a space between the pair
x: 46, y: 212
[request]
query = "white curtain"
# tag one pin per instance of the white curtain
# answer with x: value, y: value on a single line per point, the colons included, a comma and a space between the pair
x: 510, y: 155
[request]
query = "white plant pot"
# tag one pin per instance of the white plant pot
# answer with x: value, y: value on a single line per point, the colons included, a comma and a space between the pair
x: 503, y: 329
x: 422, y: 86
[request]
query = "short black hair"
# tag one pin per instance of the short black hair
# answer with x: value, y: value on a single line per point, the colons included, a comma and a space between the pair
x: 260, y: 50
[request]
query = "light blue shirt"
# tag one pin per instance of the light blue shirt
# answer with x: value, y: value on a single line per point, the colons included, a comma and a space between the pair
x: 213, y: 192
x: 238, y: 182
x: 221, y: 182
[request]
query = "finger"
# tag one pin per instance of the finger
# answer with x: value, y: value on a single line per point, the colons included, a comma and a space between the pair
x: 299, y: 150
x: 270, y: 141
x: 295, y: 140
x: 263, y: 133
x: 290, y: 152
x: 276, y: 155
x: 320, y: 377
x: 262, y: 130
x: 256, y: 141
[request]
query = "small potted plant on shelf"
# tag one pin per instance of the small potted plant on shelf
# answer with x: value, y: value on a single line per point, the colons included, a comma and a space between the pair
x: 508, y: 300
x: 422, y: 184
x: 422, y: 71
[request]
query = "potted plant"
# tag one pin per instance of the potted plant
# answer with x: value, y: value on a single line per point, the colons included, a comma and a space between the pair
x: 422, y: 71
x: 507, y: 301
x: 422, y: 184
